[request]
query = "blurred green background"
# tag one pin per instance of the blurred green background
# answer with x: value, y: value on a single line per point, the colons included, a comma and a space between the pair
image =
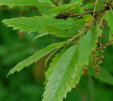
x: 28, y: 85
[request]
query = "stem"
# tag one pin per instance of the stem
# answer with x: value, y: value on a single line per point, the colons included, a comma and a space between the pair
x: 80, y: 15
x: 96, y: 2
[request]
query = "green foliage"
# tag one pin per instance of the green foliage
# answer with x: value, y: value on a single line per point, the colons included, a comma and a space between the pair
x: 109, y: 18
x: 50, y: 69
x: 19, y: 2
x: 105, y: 76
x: 25, y: 3
x: 41, y: 24
x: 42, y: 5
x: 67, y: 71
x: 35, y: 57
x: 69, y: 6
x: 59, y: 77
x: 77, y: 29
x: 57, y: 32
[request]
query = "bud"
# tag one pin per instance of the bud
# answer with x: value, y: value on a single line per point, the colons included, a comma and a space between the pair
x: 108, y: 44
x: 100, y: 62
x: 102, y: 51
x: 102, y: 57
x: 93, y: 52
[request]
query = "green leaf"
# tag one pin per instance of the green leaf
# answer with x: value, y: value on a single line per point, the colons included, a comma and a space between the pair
x: 18, y: 2
x: 35, y: 57
x: 75, y: 4
x: 25, y: 2
x: 109, y: 18
x: 89, y: 41
x: 43, y: 5
x: 51, y: 67
x: 111, y: 35
x: 78, y: 1
x: 59, y: 78
x: 66, y: 70
x: 57, y: 31
x: 36, y: 24
x: 26, y: 24
x: 105, y: 76
x: 41, y: 35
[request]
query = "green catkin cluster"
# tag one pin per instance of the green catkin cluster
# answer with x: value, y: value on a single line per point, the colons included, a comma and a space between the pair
x: 98, y: 53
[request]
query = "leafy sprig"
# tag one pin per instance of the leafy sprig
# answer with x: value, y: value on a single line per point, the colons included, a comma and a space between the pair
x: 77, y: 25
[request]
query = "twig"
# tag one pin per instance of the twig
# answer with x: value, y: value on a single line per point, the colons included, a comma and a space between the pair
x: 96, y: 2
x: 80, y: 15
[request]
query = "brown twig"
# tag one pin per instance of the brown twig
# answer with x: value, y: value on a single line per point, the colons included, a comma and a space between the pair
x: 80, y: 15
